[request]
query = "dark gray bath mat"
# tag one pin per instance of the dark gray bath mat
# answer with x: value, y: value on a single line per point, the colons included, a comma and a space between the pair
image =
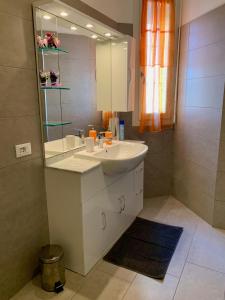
x: 146, y: 247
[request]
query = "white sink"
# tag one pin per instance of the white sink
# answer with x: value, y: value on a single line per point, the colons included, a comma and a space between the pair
x: 120, y: 157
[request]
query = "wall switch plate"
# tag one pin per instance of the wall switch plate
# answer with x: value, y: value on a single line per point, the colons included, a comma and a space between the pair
x: 23, y: 150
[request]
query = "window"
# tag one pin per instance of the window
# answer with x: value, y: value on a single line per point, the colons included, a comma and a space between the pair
x: 157, y: 64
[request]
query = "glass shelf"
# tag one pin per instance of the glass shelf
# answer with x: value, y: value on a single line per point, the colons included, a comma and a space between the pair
x: 52, y: 50
x: 54, y: 88
x: 54, y: 124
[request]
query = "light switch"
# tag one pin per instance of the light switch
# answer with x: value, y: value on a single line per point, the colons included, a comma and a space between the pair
x: 23, y: 150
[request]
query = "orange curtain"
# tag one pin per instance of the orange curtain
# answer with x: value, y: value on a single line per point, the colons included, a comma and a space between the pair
x: 157, y: 64
x: 106, y: 116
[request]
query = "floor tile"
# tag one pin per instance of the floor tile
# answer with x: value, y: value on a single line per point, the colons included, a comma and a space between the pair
x: 180, y: 255
x: 208, y: 248
x: 156, y: 209
x: 201, y: 278
x: 102, y: 286
x: 180, y: 215
x: 145, y: 288
x: 33, y: 290
x: 198, y: 283
x: 170, y: 211
x: 115, y: 271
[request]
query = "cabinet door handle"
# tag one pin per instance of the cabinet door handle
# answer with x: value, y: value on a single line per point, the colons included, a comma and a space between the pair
x: 104, y: 223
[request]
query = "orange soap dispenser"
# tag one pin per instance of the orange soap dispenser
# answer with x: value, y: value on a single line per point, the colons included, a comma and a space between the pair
x: 92, y: 132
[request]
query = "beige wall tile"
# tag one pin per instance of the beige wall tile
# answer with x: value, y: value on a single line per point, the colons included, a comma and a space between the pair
x: 207, y: 61
x: 221, y: 162
x: 158, y: 161
x: 219, y: 213
x: 205, y: 92
x: 220, y: 186
x: 18, y: 90
x: 23, y: 212
x: 20, y: 8
x: 154, y: 187
x: 23, y: 215
x: 17, y: 34
x: 207, y: 29
x: 190, y: 145
x: 193, y: 174
x: 184, y: 38
x: 194, y: 197
x: 206, y: 122
x: 19, y: 131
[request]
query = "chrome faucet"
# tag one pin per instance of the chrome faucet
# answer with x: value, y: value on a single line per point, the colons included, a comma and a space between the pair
x: 80, y: 133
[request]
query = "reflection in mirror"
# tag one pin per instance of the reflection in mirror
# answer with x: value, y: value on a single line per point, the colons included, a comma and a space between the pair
x: 67, y: 77
x: 77, y: 70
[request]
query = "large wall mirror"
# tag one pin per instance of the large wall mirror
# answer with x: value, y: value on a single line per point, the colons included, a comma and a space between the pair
x: 76, y: 65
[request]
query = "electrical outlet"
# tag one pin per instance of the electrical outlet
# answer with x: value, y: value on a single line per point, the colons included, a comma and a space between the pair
x: 23, y: 150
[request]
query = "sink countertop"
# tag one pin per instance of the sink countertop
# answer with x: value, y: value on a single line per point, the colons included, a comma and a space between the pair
x: 135, y: 141
x: 74, y: 164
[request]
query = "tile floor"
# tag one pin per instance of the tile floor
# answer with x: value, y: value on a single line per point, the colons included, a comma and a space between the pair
x: 196, y: 272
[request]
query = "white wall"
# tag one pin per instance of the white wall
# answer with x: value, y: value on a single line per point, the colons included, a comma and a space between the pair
x: 192, y: 9
x: 119, y: 10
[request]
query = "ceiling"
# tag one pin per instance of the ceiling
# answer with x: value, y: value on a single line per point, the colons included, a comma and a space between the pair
x: 49, y: 18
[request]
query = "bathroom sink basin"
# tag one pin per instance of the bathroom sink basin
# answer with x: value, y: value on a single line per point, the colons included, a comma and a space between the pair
x: 117, y: 158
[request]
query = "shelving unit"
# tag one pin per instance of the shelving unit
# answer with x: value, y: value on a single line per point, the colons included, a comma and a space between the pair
x: 51, y: 50
x: 54, y: 124
x: 46, y: 63
x: 54, y: 88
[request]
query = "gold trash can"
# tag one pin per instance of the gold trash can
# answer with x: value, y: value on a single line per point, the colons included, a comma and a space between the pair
x: 52, y: 268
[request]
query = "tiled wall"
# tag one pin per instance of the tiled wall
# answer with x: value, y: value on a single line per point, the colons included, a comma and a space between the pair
x: 23, y: 214
x: 159, y: 159
x: 219, y: 206
x: 77, y: 71
x: 199, y: 112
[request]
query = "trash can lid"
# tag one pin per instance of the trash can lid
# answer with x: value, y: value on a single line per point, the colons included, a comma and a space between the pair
x: 50, y: 254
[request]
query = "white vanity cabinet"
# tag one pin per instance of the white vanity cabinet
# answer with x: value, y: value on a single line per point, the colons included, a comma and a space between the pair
x: 115, y: 74
x: 89, y: 212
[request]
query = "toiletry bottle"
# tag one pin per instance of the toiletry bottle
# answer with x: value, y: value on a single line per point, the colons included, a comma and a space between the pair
x: 122, y: 123
x: 82, y: 136
x: 100, y: 141
x: 108, y: 137
x: 92, y: 132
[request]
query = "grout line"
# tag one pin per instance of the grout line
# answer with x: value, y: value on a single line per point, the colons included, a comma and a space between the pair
x: 73, y: 295
x: 185, y: 261
x: 35, y: 157
x: 204, y: 267
x: 206, y: 76
x: 36, y: 115
x: 129, y: 286
x: 15, y: 67
x: 215, y: 43
x: 2, y: 12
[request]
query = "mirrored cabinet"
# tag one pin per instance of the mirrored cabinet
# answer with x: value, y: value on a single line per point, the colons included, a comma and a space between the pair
x: 84, y: 68
x: 115, y: 66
